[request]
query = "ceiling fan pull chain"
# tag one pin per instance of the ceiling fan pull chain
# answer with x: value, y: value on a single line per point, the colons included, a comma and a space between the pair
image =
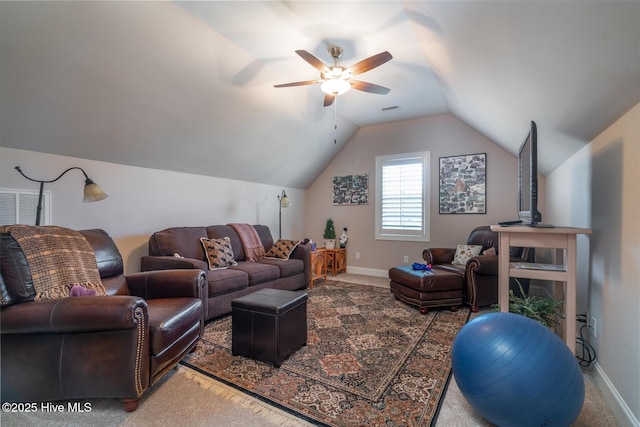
x: 335, y: 120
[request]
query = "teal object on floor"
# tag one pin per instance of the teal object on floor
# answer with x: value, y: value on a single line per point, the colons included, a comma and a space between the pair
x: 516, y: 372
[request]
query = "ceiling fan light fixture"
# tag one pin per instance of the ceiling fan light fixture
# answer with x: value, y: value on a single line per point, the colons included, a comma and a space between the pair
x: 335, y: 86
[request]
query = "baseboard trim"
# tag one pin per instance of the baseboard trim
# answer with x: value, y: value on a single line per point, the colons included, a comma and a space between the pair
x: 368, y: 271
x: 616, y: 402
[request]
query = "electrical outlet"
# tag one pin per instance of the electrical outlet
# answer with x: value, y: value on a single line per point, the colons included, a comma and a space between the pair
x: 406, y: 258
x: 357, y: 255
x: 587, y: 318
x: 593, y: 326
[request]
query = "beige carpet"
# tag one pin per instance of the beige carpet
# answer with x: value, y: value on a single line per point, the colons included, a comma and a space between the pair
x: 185, y: 397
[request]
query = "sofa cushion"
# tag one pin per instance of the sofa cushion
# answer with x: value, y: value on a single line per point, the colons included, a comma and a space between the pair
x: 107, y: 254
x: 18, y: 284
x: 182, y: 240
x: 218, y: 252
x: 288, y: 267
x: 265, y: 236
x: 282, y: 249
x: 227, y: 280
x: 259, y: 272
x: 168, y: 320
x: 451, y: 268
x: 220, y: 231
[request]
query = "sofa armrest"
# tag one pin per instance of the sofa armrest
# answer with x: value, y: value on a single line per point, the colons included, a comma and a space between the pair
x: 154, y: 262
x: 74, y: 315
x: 435, y: 256
x: 168, y: 284
x: 303, y: 252
x: 486, y: 265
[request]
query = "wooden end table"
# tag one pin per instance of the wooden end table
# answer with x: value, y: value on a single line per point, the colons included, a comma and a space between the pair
x: 318, y: 266
x: 337, y: 260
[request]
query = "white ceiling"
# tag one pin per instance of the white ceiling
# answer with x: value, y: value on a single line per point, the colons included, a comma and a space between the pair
x: 188, y: 86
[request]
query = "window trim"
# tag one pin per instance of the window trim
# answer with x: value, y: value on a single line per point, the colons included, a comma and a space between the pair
x: 398, y: 235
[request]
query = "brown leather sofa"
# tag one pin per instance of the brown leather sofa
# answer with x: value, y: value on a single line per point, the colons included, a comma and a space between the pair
x: 112, y: 346
x: 224, y: 285
x: 481, y: 272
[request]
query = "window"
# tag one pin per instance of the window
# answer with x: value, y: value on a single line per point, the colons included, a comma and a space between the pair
x: 402, y: 197
x: 20, y: 207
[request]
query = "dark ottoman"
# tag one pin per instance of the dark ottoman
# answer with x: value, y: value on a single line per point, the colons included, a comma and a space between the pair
x: 269, y: 324
x: 424, y: 289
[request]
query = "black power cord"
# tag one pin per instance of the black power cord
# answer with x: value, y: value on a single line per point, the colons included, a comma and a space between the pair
x: 588, y: 354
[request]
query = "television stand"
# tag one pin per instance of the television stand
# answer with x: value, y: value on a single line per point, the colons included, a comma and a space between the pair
x: 563, y: 239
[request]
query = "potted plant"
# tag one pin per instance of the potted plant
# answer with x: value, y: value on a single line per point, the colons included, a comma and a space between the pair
x: 329, y: 235
x: 542, y: 309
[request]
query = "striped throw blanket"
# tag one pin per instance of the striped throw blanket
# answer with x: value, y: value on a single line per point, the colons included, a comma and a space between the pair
x: 58, y: 258
x: 251, y: 242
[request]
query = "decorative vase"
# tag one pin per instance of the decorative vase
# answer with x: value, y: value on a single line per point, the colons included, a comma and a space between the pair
x: 330, y: 243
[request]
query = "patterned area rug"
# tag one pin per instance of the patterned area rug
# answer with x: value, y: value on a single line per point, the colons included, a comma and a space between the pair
x: 369, y: 360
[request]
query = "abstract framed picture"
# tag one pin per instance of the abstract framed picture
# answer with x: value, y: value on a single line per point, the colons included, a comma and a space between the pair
x: 351, y: 190
x: 463, y: 184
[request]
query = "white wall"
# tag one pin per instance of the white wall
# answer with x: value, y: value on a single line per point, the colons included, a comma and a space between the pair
x: 598, y: 188
x: 569, y: 204
x: 443, y: 135
x: 143, y: 200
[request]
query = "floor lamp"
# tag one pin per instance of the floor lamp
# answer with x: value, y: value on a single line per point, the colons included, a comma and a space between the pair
x: 92, y: 191
x: 284, y: 203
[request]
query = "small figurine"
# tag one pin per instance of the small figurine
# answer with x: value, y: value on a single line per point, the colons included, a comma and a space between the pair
x: 344, y: 238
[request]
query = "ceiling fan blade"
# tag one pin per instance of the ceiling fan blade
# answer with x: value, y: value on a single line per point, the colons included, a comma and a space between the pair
x: 315, y: 62
x: 306, y: 82
x: 328, y: 99
x: 369, y: 63
x: 369, y: 87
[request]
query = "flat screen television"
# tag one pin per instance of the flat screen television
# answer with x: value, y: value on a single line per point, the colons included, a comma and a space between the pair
x: 528, y: 179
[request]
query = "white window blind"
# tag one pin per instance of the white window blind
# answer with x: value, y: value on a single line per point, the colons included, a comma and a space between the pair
x: 20, y: 207
x: 402, y: 197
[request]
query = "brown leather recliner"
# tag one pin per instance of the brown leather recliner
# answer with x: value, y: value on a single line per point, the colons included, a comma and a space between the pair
x: 112, y: 346
x: 480, y: 272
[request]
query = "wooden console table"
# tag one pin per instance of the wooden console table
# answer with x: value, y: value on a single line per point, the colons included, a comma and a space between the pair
x: 563, y: 239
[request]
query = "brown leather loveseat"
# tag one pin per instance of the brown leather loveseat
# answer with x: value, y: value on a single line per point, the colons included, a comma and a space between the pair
x: 112, y: 346
x: 180, y: 247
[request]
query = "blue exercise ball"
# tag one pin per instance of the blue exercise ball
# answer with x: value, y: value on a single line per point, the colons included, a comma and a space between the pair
x: 516, y: 372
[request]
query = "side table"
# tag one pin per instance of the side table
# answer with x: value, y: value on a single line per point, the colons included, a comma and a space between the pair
x: 318, y: 266
x: 337, y: 260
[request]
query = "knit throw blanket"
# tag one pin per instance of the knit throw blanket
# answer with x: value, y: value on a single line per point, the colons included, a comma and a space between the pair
x: 251, y: 242
x: 58, y: 258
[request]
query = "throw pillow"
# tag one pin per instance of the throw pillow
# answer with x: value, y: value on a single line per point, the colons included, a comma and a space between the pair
x: 219, y: 252
x: 465, y: 252
x: 282, y: 249
x: 490, y: 251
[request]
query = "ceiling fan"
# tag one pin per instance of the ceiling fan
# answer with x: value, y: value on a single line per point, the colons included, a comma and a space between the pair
x: 336, y: 80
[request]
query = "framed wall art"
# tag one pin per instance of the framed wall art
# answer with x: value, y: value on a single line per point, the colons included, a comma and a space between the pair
x: 351, y: 190
x: 463, y: 184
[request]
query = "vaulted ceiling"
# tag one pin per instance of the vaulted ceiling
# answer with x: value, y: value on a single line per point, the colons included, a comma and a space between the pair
x: 189, y: 86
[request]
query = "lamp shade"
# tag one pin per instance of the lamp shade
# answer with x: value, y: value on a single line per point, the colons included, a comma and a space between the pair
x: 335, y: 86
x: 285, y: 202
x: 93, y: 192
